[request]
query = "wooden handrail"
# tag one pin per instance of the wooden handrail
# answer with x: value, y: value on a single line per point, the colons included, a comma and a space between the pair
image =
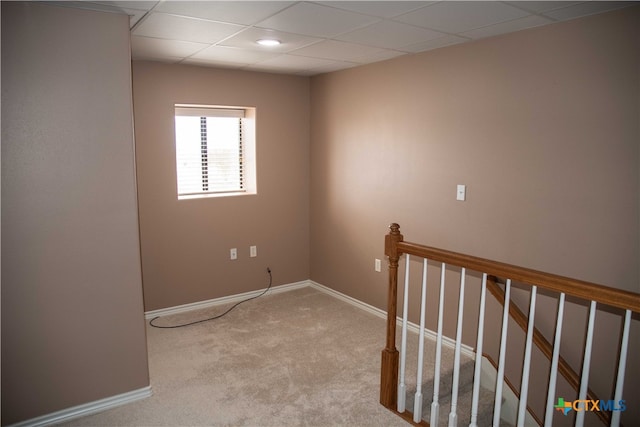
x: 577, y: 288
x: 545, y: 347
x: 395, y: 246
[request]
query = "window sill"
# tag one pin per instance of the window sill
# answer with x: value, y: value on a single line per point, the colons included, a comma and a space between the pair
x: 216, y: 195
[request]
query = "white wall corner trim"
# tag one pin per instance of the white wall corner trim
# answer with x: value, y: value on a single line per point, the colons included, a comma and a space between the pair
x: 87, y: 408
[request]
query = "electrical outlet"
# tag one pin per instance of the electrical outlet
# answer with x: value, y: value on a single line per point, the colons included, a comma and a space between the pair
x: 378, y: 265
x: 233, y: 253
x: 253, y: 251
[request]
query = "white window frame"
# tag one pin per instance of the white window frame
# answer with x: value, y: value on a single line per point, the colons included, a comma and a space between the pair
x: 247, y: 156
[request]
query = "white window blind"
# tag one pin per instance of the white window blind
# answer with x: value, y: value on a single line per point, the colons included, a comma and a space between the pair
x: 209, y: 150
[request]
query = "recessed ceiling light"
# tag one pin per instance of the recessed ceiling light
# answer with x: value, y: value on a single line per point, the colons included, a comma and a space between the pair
x: 268, y: 42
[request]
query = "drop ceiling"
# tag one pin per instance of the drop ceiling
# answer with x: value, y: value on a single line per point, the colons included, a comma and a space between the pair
x: 324, y: 36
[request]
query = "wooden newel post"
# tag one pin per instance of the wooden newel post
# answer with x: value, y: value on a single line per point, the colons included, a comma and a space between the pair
x: 389, y: 368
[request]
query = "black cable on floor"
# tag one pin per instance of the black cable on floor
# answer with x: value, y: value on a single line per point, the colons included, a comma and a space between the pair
x: 214, y: 317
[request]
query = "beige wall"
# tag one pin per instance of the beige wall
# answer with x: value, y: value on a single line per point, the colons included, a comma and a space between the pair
x: 542, y: 127
x: 72, y: 313
x: 185, y: 243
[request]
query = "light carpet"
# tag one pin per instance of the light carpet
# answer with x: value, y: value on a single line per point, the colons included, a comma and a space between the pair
x: 297, y: 358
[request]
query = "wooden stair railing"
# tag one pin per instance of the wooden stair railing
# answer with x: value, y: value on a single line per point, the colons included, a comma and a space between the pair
x: 395, y: 246
x: 545, y: 346
x: 513, y: 388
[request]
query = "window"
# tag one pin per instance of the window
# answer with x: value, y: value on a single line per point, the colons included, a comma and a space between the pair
x: 214, y: 151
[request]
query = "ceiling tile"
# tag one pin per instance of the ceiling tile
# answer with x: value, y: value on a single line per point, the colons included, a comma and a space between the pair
x: 381, y: 9
x: 328, y: 68
x: 359, y: 32
x: 139, y: 5
x: 216, y: 64
x: 382, y: 55
x: 232, y: 54
x: 315, y: 20
x: 116, y: 7
x: 507, y: 27
x: 134, y: 16
x: 289, y: 41
x: 435, y: 44
x: 584, y: 9
x: 291, y: 63
x: 390, y: 35
x: 459, y: 16
x: 161, y: 25
x: 149, y: 47
x: 237, y: 12
x: 336, y: 50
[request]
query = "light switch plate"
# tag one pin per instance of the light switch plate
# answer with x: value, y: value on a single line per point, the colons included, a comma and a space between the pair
x: 461, y: 193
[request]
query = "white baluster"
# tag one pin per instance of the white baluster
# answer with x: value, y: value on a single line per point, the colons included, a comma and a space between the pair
x: 453, y: 415
x: 435, y: 406
x: 478, y: 368
x: 402, y: 388
x: 524, y: 387
x: 554, y: 365
x: 584, y: 382
x: 615, y: 417
x: 417, y: 406
x: 503, y: 351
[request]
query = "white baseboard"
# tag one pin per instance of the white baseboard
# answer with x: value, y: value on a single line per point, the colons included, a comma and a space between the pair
x: 86, y: 409
x: 222, y: 300
x: 446, y: 341
x: 132, y: 396
x: 346, y: 298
